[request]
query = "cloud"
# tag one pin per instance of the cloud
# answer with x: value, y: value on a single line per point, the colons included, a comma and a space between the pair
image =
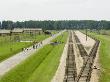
x: 67, y: 2
x: 54, y: 9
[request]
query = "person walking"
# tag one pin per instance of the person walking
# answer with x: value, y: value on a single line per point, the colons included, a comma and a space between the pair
x: 33, y: 46
x: 41, y: 42
x: 36, y: 46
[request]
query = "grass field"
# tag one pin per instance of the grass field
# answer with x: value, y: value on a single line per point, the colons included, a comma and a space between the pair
x: 7, y: 51
x: 9, y: 47
x: 103, y: 32
x: 104, y: 56
x: 39, y: 67
x: 36, y: 37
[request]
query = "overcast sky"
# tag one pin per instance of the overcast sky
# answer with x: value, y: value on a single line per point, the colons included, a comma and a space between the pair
x: 54, y: 9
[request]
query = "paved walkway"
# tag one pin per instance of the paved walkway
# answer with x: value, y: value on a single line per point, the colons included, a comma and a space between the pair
x: 11, y: 62
x: 26, y: 41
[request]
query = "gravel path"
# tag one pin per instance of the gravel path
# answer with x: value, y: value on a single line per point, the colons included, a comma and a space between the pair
x: 78, y: 58
x: 11, y: 62
x: 96, y: 72
x: 87, y: 44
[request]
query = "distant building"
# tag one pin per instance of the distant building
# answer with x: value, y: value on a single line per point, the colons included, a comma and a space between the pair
x: 17, y: 31
x: 32, y: 30
x: 4, y: 32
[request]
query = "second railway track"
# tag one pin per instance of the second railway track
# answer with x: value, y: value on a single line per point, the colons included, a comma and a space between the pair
x: 70, y: 70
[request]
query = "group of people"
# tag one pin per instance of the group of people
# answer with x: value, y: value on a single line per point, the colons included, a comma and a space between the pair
x: 34, y: 46
x: 25, y: 49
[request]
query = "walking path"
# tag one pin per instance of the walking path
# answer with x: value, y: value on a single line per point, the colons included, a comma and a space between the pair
x: 11, y: 62
x: 26, y: 41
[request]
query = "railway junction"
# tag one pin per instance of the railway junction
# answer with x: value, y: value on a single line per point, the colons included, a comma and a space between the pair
x: 79, y: 59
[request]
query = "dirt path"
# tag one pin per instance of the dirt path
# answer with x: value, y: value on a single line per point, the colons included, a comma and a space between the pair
x: 26, y: 41
x: 59, y: 75
x: 87, y: 44
x: 96, y: 72
x: 11, y: 62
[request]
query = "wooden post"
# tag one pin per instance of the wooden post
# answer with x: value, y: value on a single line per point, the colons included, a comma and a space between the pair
x: 86, y: 33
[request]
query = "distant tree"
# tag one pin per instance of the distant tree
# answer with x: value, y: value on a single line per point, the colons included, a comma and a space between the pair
x: 51, y: 25
x: 7, y: 24
x: 0, y: 25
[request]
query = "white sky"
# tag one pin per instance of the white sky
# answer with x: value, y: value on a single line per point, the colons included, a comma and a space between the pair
x: 54, y: 9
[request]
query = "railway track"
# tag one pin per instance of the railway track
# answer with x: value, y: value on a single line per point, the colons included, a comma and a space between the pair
x: 86, y: 70
x: 70, y: 70
x: 82, y: 51
x: 85, y: 73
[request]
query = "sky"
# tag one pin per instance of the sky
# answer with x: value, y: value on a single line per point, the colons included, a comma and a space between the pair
x: 54, y: 10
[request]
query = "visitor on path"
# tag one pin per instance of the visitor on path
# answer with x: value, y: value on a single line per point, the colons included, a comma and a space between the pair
x: 41, y: 42
x: 24, y: 49
x: 27, y: 49
x: 36, y: 46
x: 33, y: 46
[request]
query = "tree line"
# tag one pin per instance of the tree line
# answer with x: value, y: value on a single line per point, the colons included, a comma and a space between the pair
x: 55, y: 25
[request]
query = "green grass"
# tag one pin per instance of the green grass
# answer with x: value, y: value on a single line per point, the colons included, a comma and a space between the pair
x: 39, y: 67
x: 6, y: 44
x: 50, y: 64
x: 48, y: 67
x: 6, y: 52
x: 104, y: 32
x: 23, y: 71
x: 59, y: 38
x: 36, y: 37
x: 104, y: 57
x: 54, y: 31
